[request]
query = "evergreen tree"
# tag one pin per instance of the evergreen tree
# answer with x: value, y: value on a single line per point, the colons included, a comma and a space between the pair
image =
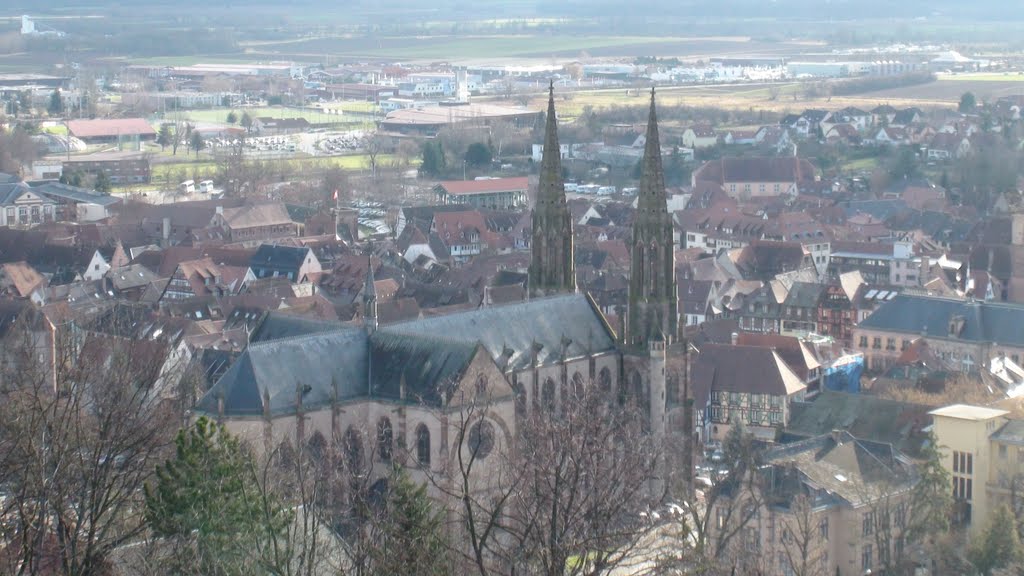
x: 232, y: 117
x: 999, y: 546
x: 56, y: 106
x: 478, y: 155
x: 246, y: 121
x: 164, y: 138
x: 71, y: 178
x: 967, y: 102
x: 196, y: 142
x: 207, y: 498
x: 433, y: 159
x: 103, y: 183
x: 412, y: 539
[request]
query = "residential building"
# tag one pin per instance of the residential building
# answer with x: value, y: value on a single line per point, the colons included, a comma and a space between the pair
x: 700, y: 136
x: 881, y: 264
x: 199, y: 278
x: 750, y: 383
x: 120, y: 167
x: 968, y: 334
x: 832, y: 504
x: 492, y: 193
x: 751, y: 177
x: 111, y: 131
x: 840, y: 305
x: 983, y: 451
x: 297, y: 264
x: 255, y: 222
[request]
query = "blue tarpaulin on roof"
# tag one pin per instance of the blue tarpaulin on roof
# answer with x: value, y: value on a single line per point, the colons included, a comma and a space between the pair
x: 844, y: 374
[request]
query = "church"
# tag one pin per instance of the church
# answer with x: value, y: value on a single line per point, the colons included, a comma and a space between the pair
x: 399, y: 389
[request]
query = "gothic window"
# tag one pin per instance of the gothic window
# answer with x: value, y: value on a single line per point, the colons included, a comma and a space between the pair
x: 577, y: 385
x: 423, y: 445
x: 385, y: 439
x: 353, y: 446
x: 604, y: 380
x: 481, y: 386
x: 481, y: 439
x: 547, y: 395
x: 638, y: 388
x: 317, y: 446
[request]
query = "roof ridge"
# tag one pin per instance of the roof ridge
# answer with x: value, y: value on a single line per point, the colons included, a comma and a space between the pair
x: 304, y: 337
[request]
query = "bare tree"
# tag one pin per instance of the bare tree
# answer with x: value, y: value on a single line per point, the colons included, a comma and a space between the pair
x: 565, y: 496
x: 83, y: 426
x: 804, y: 537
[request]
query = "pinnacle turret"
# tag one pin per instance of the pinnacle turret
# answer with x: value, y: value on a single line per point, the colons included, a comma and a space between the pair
x: 551, y: 267
x: 652, y: 285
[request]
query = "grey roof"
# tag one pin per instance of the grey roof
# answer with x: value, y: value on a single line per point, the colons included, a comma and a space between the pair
x: 279, y: 257
x: 901, y: 424
x: 546, y: 321
x: 132, y: 276
x: 7, y: 178
x: 279, y: 326
x: 74, y: 194
x: 9, y: 191
x: 427, y: 364
x: 320, y: 366
x: 853, y: 469
x: 994, y: 322
x: 1011, y: 433
x: 804, y: 294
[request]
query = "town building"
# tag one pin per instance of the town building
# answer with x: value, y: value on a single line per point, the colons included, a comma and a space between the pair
x: 120, y: 167
x: 111, y: 131
x: 491, y: 193
x: 982, y: 449
x: 255, y: 222
x: 966, y: 333
x: 297, y: 264
x: 752, y: 177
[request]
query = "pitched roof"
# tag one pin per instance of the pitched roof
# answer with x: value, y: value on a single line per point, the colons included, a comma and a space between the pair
x: 132, y: 276
x: 748, y: 369
x: 279, y: 257
x: 110, y: 127
x: 20, y: 278
x: 549, y: 322
x: 252, y: 215
x: 798, y: 355
x: 457, y: 187
x: 272, y: 375
x: 428, y: 366
x: 756, y: 169
x: 901, y: 424
x: 983, y: 321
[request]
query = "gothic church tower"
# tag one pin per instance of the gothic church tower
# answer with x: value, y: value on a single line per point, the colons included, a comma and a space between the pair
x: 552, y: 269
x: 652, y: 284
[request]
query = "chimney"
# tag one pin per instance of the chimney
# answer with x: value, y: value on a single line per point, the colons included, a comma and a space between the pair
x: 166, y: 231
x: 734, y: 338
x: 220, y: 210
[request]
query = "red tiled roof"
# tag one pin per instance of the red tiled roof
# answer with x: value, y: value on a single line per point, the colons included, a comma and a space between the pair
x: 111, y: 127
x: 483, y: 186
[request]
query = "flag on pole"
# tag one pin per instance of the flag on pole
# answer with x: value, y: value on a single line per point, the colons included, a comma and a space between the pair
x: 335, y: 194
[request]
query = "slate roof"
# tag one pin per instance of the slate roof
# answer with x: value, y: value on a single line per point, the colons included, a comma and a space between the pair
x: 428, y: 365
x: 1010, y: 433
x: 901, y: 424
x: 983, y: 321
x: 804, y: 294
x: 544, y: 321
x: 320, y: 367
x: 132, y: 276
x: 280, y: 326
x: 856, y: 470
x: 74, y: 194
x: 274, y: 257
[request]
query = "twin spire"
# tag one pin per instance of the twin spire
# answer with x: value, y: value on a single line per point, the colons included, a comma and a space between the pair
x: 652, y: 297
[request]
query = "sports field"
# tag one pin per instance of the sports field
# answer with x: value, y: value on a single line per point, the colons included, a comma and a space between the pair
x: 204, y: 166
x: 220, y: 115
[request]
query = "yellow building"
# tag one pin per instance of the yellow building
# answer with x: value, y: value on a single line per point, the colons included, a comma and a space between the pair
x: 983, y: 451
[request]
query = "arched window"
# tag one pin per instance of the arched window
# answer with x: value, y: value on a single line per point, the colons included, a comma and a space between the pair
x: 604, y: 381
x: 577, y: 385
x: 481, y: 439
x: 547, y: 395
x: 423, y: 445
x: 353, y: 446
x: 316, y: 448
x: 638, y: 388
x: 385, y: 439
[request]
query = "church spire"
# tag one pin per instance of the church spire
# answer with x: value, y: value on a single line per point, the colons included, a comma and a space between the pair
x: 652, y: 286
x: 551, y: 266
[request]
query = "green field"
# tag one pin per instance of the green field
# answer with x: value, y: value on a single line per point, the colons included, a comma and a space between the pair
x: 203, y: 167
